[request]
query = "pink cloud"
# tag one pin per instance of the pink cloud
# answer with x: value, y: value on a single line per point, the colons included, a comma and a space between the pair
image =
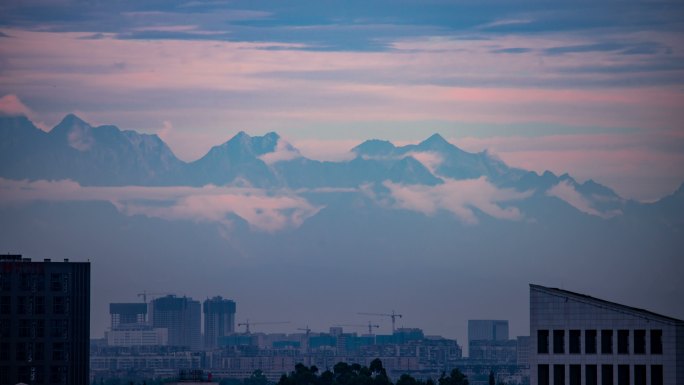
x: 326, y: 150
x: 566, y: 192
x: 460, y: 197
x: 283, y: 152
x: 264, y: 212
x: 431, y: 160
x: 10, y: 105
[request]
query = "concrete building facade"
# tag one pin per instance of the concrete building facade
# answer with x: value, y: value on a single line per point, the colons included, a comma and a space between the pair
x: 44, y: 321
x: 576, y: 339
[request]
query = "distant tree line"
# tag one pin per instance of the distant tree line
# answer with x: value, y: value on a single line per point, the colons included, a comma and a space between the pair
x: 356, y: 374
x: 341, y: 374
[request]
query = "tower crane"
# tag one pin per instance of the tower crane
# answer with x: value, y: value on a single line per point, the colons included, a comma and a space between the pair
x: 392, y: 315
x: 370, y: 326
x: 247, y: 324
x: 145, y: 293
x: 305, y: 329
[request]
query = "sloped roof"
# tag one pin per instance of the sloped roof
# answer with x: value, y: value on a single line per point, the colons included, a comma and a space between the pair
x: 605, y: 304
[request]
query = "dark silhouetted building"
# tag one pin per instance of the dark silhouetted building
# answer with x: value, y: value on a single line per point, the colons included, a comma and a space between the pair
x: 181, y: 316
x: 578, y: 339
x: 44, y: 321
x: 219, y: 320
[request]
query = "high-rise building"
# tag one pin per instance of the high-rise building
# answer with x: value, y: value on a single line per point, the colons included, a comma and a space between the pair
x: 182, y: 317
x: 219, y: 320
x: 487, y: 330
x: 576, y: 339
x: 523, y: 350
x: 44, y: 321
x: 127, y: 315
x: 130, y: 327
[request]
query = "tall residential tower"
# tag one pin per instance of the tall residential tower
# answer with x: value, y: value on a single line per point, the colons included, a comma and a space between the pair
x: 44, y: 321
x: 181, y: 316
x: 219, y: 320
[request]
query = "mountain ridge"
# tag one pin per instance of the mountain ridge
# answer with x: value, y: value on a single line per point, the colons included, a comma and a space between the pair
x: 106, y: 155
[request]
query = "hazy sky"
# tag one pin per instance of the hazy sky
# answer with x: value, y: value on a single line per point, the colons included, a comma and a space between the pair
x: 591, y: 88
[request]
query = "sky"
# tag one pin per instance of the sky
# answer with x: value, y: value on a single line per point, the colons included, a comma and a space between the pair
x: 591, y: 88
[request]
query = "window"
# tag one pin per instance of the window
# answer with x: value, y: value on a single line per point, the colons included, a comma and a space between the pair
x: 543, y: 374
x: 39, y: 352
x: 39, y: 326
x: 558, y: 342
x: 4, y: 351
x: 60, y: 328
x: 575, y: 340
x: 57, y: 374
x: 4, y: 374
x: 40, y: 305
x: 657, y: 375
x: 4, y: 329
x: 623, y: 375
x: 56, y: 282
x: 24, y: 374
x: 21, y: 352
x: 5, y: 304
x: 24, y: 328
x: 640, y: 342
x: 606, y: 342
x: 575, y: 375
x: 639, y: 374
x: 37, y: 375
x: 22, y: 305
x: 606, y: 374
x: 59, y: 305
x: 590, y: 341
x: 5, y: 283
x: 591, y: 375
x: 25, y: 282
x: 542, y: 341
x: 623, y: 341
x: 558, y: 374
x: 58, y: 353
x: 656, y: 341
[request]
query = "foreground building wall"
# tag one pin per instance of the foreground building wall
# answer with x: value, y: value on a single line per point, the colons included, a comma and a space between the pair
x: 44, y: 321
x: 576, y: 339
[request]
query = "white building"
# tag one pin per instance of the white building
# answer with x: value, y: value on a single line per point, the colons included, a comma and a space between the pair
x: 576, y: 339
x: 138, y: 337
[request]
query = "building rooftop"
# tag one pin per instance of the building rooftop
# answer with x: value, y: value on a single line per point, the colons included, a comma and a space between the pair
x: 605, y: 304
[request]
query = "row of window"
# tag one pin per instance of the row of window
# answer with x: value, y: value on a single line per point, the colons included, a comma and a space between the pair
x: 30, y: 352
x: 36, y: 282
x: 591, y: 375
x: 34, y: 305
x: 58, y: 328
x: 35, y: 375
x: 591, y: 341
